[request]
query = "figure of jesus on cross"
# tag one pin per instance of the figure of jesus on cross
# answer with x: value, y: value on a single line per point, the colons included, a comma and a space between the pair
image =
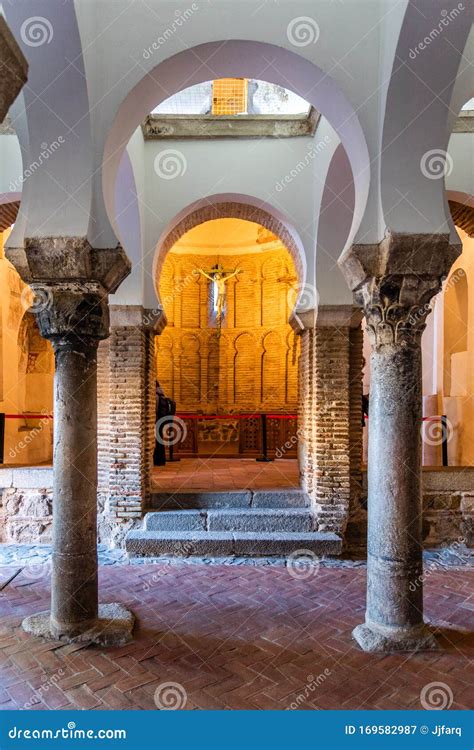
x: 219, y: 277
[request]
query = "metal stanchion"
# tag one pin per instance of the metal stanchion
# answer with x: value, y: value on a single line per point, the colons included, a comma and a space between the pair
x: 2, y: 437
x: 264, y: 458
x: 169, y: 426
x: 444, y: 432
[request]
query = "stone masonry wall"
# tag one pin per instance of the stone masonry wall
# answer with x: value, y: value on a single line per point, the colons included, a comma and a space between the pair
x: 26, y: 510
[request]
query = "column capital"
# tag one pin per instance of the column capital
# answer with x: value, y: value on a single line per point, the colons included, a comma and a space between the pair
x: 49, y: 260
x: 395, y: 282
x: 396, y: 307
x: 71, y: 313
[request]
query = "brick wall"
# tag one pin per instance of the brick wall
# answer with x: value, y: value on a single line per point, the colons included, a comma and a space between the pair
x: 330, y: 416
x: 126, y: 420
x: 252, y: 362
x: 306, y: 421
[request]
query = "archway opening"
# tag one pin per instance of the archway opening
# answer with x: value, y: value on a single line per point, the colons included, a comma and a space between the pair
x: 228, y: 356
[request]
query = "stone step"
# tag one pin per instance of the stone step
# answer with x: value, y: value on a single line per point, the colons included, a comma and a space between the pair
x: 143, y: 543
x: 231, y: 519
x: 229, y: 499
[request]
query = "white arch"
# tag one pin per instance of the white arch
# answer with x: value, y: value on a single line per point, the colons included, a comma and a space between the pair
x: 231, y: 205
x: 237, y: 58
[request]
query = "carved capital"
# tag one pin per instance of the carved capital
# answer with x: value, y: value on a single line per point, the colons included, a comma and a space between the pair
x: 396, y: 307
x: 72, y: 314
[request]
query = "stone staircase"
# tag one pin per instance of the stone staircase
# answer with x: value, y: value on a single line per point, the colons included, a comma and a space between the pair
x: 226, y: 524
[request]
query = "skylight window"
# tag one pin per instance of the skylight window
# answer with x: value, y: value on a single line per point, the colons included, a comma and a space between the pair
x: 234, y: 96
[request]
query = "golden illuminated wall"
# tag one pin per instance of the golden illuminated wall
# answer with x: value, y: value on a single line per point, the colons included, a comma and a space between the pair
x: 457, y: 352
x: 26, y: 373
x: 253, y: 363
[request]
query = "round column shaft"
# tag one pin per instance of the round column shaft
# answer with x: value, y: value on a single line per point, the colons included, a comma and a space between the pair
x: 74, y: 602
x: 75, y: 318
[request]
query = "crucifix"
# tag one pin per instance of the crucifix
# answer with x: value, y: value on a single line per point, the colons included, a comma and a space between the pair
x: 219, y: 276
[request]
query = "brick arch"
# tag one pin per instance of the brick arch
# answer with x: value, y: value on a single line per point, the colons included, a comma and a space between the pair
x: 231, y: 207
x: 8, y: 213
x: 463, y: 216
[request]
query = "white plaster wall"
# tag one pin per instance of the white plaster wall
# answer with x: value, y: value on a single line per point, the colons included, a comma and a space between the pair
x: 347, y: 48
x: 460, y: 176
x: 249, y: 167
x: 11, y: 166
x: 129, y: 203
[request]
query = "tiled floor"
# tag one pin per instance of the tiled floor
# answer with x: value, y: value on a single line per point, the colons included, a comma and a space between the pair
x: 226, y: 636
x: 225, y: 474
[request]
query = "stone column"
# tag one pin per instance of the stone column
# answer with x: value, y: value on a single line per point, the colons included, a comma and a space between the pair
x: 75, y: 323
x: 72, y: 312
x: 395, y: 282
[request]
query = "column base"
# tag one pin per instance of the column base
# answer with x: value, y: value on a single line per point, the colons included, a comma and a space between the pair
x: 113, y: 627
x: 375, y: 641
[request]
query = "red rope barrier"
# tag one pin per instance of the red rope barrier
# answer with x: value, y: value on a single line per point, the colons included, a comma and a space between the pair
x: 234, y: 416
x: 28, y: 416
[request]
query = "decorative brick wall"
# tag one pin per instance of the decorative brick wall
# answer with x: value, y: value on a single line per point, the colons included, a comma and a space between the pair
x: 126, y: 419
x: 330, y: 413
x: 253, y: 363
